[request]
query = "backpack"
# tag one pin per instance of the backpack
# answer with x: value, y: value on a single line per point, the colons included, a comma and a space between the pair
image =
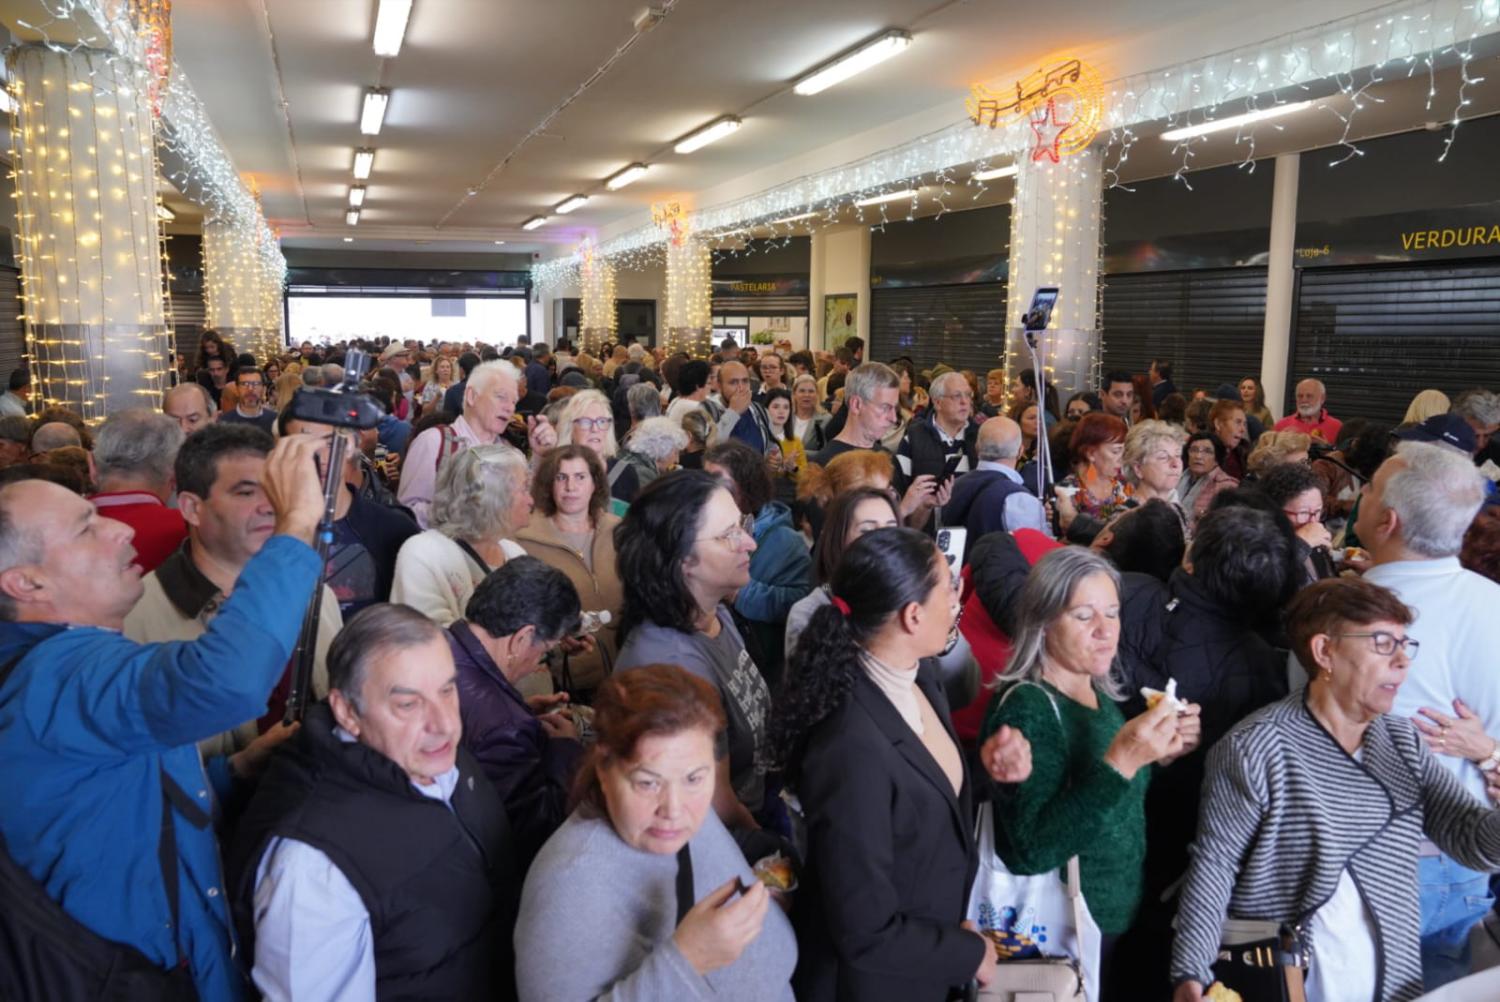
x: 45, y: 953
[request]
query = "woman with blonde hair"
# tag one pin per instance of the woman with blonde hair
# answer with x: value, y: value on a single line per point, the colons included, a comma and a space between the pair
x: 439, y: 378
x: 1428, y: 403
x: 587, y: 419
x: 1276, y: 447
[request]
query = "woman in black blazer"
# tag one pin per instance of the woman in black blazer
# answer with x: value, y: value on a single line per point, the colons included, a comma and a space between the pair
x: 863, y: 736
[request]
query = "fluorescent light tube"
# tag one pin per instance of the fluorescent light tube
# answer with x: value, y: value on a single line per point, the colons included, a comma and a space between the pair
x: 710, y: 133
x: 567, y: 205
x: 373, y: 115
x: 994, y: 175
x: 1234, y: 121
x: 533, y: 222
x: 793, y: 219
x: 356, y: 195
x: 895, y: 196
x: 364, y: 161
x: 165, y: 214
x: 348, y: 240
x: 856, y: 60
x: 390, y: 26
x: 629, y: 175
x: 499, y: 242
x: 352, y: 217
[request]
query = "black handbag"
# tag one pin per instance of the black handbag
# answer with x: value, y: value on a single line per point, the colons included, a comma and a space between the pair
x: 1264, y: 961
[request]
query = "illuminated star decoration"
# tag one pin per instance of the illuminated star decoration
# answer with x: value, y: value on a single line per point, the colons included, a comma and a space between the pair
x: 1049, y: 134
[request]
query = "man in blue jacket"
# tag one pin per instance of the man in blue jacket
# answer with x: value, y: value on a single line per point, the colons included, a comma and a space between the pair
x: 99, y: 734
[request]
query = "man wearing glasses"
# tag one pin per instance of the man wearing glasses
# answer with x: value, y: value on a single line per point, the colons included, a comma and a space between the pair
x: 251, y: 409
x: 1412, y: 518
x: 872, y: 394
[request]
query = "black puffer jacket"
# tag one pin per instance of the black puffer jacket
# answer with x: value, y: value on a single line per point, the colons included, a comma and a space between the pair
x: 1226, y: 665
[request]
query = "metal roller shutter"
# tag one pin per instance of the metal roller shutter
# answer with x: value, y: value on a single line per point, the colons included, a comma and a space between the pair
x: 187, y: 321
x: 12, y: 333
x: 1211, y: 324
x: 1376, y: 336
x: 960, y: 325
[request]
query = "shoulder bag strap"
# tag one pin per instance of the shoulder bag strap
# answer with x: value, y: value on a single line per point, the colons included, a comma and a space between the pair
x: 175, y: 797
x: 464, y: 545
x: 685, y: 896
x: 616, y: 472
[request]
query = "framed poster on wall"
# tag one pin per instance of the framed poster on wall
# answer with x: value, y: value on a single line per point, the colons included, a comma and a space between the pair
x: 839, y: 313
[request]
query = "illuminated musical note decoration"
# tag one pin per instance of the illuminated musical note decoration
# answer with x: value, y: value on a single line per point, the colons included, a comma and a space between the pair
x: 1064, y: 104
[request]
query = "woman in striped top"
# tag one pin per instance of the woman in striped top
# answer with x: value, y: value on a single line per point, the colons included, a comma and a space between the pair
x: 1316, y: 808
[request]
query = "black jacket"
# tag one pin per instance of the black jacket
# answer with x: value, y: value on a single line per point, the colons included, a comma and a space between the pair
x: 929, y: 453
x: 890, y: 859
x: 1175, y: 630
x: 437, y: 882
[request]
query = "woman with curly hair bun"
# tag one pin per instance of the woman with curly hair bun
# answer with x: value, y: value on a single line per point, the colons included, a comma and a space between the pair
x: 863, y: 735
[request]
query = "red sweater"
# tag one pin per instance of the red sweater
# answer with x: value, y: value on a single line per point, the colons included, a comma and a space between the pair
x: 158, y: 529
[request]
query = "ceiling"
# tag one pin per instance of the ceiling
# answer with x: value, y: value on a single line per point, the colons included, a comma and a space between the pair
x: 283, y: 79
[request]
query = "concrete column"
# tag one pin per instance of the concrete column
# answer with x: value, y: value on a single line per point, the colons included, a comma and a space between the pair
x: 91, y: 255
x: 1281, y: 279
x: 235, y: 294
x: 840, y: 265
x: 689, y: 282
x: 1055, y: 223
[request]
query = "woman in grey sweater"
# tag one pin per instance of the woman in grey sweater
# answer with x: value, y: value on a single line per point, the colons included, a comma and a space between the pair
x: 642, y: 895
x: 1315, y: 809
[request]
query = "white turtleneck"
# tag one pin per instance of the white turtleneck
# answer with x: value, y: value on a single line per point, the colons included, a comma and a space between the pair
x: 900, y: 686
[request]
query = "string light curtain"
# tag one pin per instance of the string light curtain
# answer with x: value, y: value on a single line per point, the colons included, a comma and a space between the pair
x: 597, y: 318
x: 91, y: 267
x: 272, y: 293
x: 689, y: 297
x: 1055, y: 223
x: 232, y: 284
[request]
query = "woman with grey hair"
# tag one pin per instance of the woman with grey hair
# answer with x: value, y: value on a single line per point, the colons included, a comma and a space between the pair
x: 1086, y: 793
x: 653, y: 447
x: 482, y: 498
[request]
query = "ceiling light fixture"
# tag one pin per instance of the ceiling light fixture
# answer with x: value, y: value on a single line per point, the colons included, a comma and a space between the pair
x: 390, y: 26
x: 1234, y: 121
x: 356, y: 195
x: 629, y: 175
x: 165, y: 214
x: 373, y: 115
x: 994, y: 175
x: 710, y: 133
x: 792, y: 219
x: 352, y: 217
x: 894, y: 196
x: 499, y: 242
x: 877, y: 50
x: 348, y: 240
x: 567, y: 205
x: 364, y: 162
x: 533, y: 222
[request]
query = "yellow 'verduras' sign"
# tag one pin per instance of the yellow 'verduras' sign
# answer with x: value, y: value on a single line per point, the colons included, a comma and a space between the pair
x: 1464, y: 236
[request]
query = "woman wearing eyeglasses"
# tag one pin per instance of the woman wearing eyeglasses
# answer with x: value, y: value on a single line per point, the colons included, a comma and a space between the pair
x: 1315, y: 808
x: 683, y: 551
x: 587, y: 419
x: 1298, y: 492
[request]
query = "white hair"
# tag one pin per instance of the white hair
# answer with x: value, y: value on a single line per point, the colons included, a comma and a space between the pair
x: 487, y: 372
x: 1479, y: 406
x: 474, y: 492
x: 657, y: 438
x: 1435, y: 496
x: 939, y: 387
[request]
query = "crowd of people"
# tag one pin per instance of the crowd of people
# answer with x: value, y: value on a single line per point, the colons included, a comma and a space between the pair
x: 638, y: 676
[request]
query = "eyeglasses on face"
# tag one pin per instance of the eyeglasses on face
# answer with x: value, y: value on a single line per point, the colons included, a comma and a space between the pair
x: 1385, y: 644
x: 735, y: 534
x: 593, y: 423
x: 1301, y: 516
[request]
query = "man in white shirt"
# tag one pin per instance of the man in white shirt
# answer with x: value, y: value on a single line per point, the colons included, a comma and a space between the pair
x: 375, y: 858
x: 490, y: 396
x: 1412, y: 519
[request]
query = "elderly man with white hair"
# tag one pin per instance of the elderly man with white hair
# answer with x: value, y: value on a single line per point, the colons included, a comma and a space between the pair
x: 943, y: 440
x: 1312, y: 417
x: 490, y: 396
x: 1412, y: 519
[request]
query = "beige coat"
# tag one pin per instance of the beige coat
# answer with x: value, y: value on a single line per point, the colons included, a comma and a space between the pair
x: 599, y: 589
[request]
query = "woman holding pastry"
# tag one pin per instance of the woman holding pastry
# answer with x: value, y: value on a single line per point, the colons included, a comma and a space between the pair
x: 1086, y: 793
x: 1315, y: 807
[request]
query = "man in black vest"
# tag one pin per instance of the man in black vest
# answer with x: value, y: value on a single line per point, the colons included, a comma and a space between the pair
x: 374, y: 861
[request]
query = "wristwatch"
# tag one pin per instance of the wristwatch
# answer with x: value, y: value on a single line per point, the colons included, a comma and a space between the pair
x: 1492, y: 762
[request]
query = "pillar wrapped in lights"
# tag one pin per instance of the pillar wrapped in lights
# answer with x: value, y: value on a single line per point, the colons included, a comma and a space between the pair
x: 91, y: 267
x: 689, y: 297
x: 272, y: 292
x: 597, y: 320
x: 1055, y: 223
x: 232, y: 285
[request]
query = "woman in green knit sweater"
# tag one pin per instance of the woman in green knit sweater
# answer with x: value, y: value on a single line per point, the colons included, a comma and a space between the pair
x: 1087, y: 790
